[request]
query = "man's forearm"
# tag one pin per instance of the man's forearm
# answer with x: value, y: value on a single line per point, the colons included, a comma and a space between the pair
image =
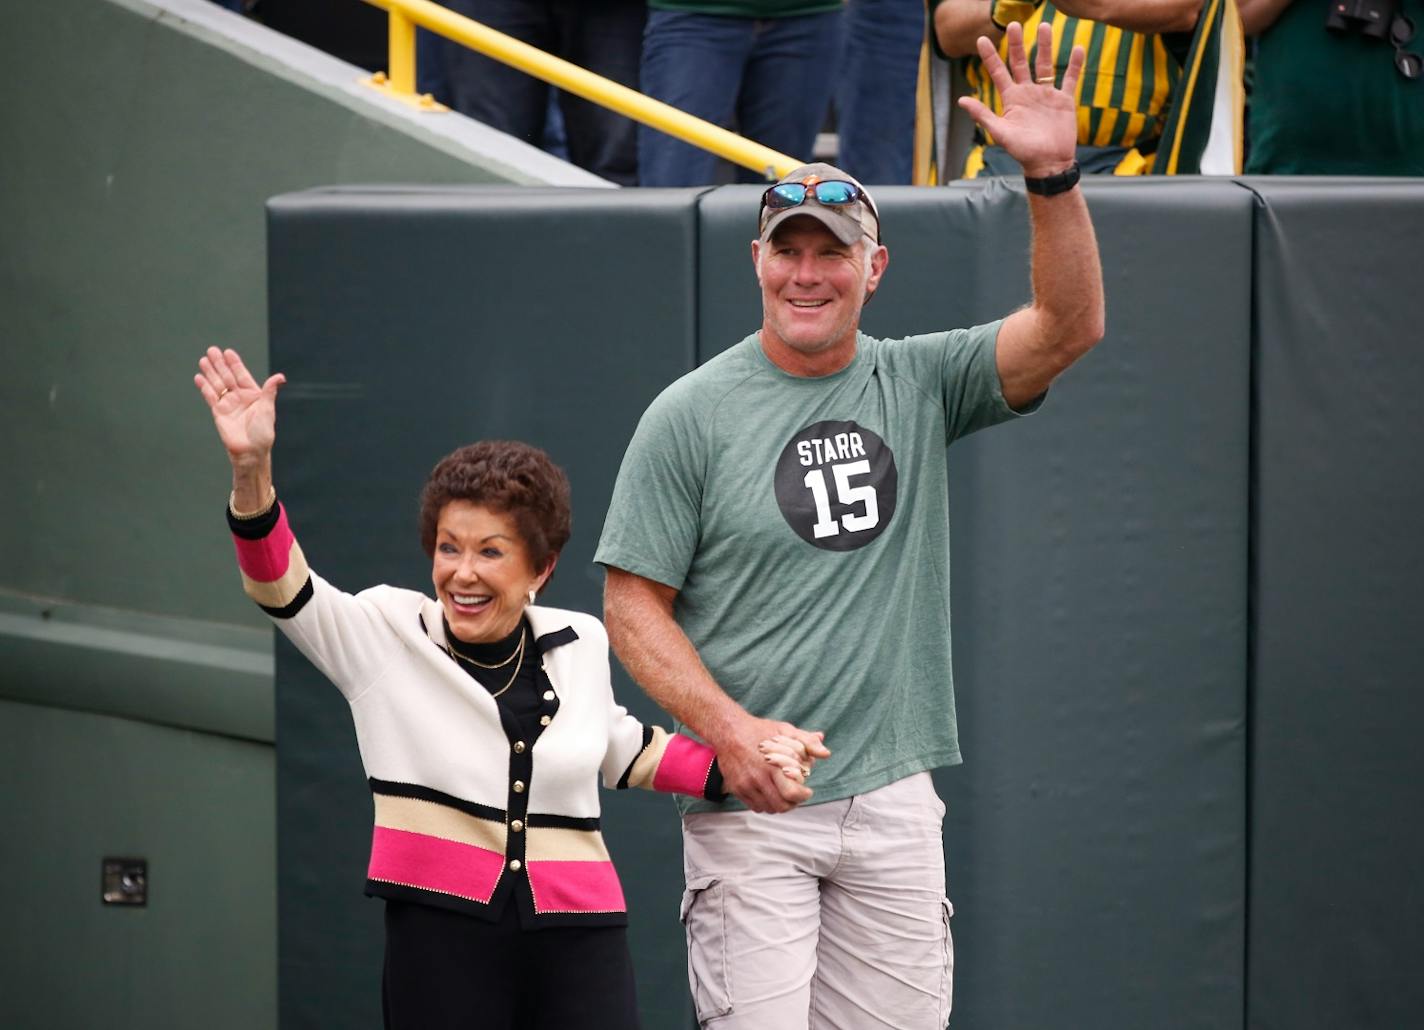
x: 1066, y: 317
x: 1067, y: 275
x: 1152, y: 16
x: 958, y: 24
x: 657, y: 654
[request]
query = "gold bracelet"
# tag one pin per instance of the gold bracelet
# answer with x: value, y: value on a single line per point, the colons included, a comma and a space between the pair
x: 271, y: 500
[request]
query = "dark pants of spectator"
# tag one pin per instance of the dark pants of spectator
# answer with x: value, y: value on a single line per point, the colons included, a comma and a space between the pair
x: 449, y: 971
x: 604, y: 36
x: 769, y: 79
x: 875, y: 101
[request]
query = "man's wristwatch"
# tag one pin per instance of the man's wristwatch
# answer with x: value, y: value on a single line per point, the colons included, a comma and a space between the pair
x: 1051, y: 185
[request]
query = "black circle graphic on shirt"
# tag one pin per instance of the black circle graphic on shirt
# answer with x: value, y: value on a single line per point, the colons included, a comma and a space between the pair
x: 836, y: 485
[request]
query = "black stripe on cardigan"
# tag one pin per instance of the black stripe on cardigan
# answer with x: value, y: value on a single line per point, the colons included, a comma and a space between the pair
x: 491, y: 912
x: 548, y: 821
x: 293, y: 606
x: 714, y: 790
x: 419, y: 793
x: 254, y: 528
x: 647, y: 739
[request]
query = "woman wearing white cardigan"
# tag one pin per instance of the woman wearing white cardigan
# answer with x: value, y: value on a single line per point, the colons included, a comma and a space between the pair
x: 484, y: 723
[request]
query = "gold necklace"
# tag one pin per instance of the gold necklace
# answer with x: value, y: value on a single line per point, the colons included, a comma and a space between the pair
x: 518, y: 654
x: 518, y: 649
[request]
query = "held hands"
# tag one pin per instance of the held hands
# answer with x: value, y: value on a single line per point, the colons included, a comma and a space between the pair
x: 789, y: 755
x: 244, y: 413
x: 1039, y: 126
x: 756, y: 765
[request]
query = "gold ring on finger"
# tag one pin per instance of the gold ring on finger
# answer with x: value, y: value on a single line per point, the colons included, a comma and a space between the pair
x: 224, y: 392
x: 1044, y: 80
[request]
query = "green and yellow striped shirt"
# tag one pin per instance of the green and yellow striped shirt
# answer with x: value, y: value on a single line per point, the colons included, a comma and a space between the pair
x: 1126, y: 80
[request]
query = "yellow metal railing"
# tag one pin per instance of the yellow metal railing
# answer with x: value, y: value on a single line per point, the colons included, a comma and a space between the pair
x: 405, y: 15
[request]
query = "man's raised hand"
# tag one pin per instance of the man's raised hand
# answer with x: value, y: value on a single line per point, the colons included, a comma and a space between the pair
x: 1039, y: 126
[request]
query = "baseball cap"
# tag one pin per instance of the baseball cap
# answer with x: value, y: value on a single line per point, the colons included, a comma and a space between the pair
x: 849, y: 222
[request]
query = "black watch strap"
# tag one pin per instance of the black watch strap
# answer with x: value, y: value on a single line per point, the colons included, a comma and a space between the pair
x: 1051, y: 185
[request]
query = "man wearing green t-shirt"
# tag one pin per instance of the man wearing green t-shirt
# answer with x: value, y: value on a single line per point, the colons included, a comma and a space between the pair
x: 777, y: 563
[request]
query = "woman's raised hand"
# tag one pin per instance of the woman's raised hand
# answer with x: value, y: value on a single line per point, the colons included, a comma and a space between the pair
x: 244, y: 413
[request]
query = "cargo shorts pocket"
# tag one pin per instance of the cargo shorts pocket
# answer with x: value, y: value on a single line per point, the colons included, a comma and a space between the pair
x: 946, y: 989
x: 707, y: 973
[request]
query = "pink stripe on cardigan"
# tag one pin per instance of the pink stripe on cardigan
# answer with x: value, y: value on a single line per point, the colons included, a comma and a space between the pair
x: 418, y: 860
x: 266, y: 560
x: 684, y: 767
x: 575, y: 887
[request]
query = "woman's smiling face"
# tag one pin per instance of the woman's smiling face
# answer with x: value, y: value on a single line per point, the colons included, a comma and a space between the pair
x: 482, y: 572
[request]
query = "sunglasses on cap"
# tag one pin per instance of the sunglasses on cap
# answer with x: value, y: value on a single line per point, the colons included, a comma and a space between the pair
x: 829, y: 193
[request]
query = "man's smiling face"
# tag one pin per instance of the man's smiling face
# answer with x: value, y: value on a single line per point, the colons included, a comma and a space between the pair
x: 813, y: 287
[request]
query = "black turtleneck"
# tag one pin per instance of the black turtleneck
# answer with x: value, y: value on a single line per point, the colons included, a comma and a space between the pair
x: 522, y: 698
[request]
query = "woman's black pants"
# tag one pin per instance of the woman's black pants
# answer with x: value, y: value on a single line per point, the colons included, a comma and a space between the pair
x: 448, y: 971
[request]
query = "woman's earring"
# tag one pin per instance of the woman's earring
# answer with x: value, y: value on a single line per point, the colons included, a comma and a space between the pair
x: 532, y: 594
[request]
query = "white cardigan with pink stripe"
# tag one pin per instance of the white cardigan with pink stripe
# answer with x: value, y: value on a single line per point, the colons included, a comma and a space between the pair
x: 467, y: 816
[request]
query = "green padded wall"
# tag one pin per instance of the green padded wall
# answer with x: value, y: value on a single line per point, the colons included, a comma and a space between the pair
x: 1209, y: 528
x: 1102, y: 808
x: 1095, y: 835
x: 79, y: 787
x: 409, y: 323
x: 1337, y: 914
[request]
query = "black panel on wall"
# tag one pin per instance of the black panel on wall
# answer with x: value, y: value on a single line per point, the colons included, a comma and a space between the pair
x: 1096, y: 833
x: 408, y: 323
x: 1337, y: 910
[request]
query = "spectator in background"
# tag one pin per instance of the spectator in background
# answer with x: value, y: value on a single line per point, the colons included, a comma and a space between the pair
x: 604, y: 36
x: 1335, y: 101
x: 875, y: 99
x: 1136, y: 50
x: 431, y: 77
x: 762, y: 68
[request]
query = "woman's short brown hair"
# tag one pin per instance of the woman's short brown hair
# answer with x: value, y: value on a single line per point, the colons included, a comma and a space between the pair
x: 509, y: 477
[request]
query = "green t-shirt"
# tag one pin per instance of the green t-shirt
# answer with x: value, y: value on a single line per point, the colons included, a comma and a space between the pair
x: 748, y: 8
x: 1333, y: 104
x: 805, y: 524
